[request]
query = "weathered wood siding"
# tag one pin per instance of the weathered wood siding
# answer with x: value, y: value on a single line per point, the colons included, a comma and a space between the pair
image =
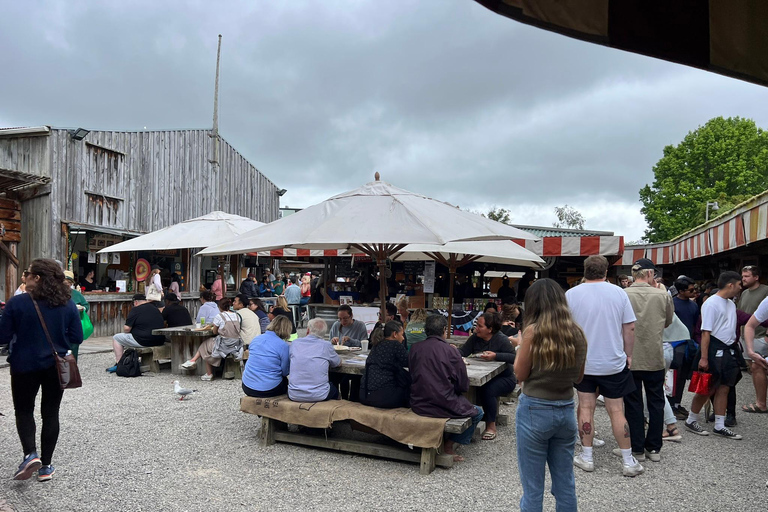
x: 26, y: 154
x: 134, y: 181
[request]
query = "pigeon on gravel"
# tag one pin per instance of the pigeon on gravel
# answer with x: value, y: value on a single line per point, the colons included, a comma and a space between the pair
x: 182, y: 392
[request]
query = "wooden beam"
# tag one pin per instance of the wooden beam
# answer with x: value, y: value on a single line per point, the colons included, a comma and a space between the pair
x: 27, y: 193
x: 12, y: 257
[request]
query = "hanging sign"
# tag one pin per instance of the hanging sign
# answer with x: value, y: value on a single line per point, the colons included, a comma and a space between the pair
x: 429, y: 277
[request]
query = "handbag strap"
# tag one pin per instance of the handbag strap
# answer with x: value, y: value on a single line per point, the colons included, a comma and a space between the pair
x: 45, y: 327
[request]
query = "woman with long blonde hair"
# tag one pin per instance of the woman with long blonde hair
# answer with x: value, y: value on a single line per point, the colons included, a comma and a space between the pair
x: 550, y: 360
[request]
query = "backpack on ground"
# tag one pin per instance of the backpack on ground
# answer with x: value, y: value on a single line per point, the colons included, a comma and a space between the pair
x: 129, y: 365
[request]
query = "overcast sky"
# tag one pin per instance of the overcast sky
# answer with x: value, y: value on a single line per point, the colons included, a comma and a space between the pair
x: 442, y: 97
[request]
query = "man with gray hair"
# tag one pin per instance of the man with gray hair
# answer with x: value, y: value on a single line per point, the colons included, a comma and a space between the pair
x: 311, y: 359
x: 654, y: 311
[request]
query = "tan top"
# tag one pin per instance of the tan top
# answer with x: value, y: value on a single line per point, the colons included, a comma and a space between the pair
x: 555, y: 384
x: 654, y: 310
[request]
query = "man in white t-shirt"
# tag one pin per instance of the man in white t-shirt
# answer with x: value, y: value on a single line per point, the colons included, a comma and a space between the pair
x: 605, y: 313
x: 717, y: 354
x: 757, y: 350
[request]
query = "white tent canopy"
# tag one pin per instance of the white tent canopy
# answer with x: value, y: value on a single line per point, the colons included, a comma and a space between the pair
x: 375, y: 214
x: 213, y: 228
x: 503, y: 252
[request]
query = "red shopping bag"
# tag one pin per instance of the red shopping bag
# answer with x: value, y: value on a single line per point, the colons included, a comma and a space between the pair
x: 700, y: 382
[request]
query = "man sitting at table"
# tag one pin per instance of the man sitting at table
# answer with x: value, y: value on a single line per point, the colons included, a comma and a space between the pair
x: 208, y: 308
x: 490, y: 344
x: 439, y: 377
x: 311, y: 358
x: 174, y: 314
x: 250, y: 326
x: 346, y: 330
x: 137, y: 331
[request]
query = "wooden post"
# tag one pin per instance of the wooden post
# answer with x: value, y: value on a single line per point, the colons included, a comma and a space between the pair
x: 267, y: 434
x: 428, y: 456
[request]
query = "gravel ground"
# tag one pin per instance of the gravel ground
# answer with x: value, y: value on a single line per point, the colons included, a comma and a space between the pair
x: 128, y: 444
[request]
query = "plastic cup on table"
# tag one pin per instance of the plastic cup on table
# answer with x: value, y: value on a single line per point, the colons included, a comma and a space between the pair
x: 364, y: 343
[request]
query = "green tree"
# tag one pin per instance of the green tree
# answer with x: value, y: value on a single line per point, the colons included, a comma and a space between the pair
x: 726, y: 160
x: 568, y: 217
x: 499, y: 214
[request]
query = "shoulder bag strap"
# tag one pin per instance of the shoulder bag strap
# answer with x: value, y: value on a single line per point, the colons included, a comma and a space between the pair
x: 45, y: 327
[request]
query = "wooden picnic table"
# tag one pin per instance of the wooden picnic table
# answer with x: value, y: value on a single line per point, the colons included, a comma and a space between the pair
x: 185, y: 341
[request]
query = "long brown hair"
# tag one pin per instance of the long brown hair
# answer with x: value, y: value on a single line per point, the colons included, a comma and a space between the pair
x: 556, y: 335
x: 51, y: 286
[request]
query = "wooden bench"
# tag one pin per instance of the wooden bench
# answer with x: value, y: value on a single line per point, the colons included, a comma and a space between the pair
x: 152, y: 357
x: 273, y: 431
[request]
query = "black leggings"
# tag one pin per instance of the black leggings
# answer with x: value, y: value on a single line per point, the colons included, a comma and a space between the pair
x: 24, y: 388
x: 280, y: 389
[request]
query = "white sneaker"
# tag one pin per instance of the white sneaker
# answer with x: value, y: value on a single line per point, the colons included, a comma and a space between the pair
x: 638, y: 456
x: 632, y: 469
x: 189, y: 365
x: 597, y: 443
x: 601, y: 399
x: 579, y: 462
x: 207, y: 377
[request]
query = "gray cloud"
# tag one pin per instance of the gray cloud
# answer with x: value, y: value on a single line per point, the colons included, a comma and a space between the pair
x: 442, y: 97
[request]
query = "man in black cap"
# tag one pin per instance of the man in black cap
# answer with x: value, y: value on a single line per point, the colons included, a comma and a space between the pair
x: 654, y: 312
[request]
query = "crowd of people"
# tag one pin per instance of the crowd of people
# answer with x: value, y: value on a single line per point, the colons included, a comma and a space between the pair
x: 613, y: 344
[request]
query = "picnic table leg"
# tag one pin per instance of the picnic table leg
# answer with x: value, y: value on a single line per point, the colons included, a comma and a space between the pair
x: 267, y: 435
x: 428, y: 456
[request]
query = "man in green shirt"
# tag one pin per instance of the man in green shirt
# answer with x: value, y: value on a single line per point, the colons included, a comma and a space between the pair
x: 82, y: 304
x: 752, y: 295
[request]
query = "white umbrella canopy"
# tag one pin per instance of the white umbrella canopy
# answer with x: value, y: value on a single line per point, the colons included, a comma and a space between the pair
x: 376, y: 219
x: 457, y: 254
x: 213, y: 228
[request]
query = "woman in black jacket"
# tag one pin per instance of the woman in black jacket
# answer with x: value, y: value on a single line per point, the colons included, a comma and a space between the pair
x: 31, y: 358
x: 490, y: 344
x: 386, y: 384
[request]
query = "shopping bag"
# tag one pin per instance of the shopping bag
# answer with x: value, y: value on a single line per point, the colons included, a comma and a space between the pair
x: 700, y: 382
x: 87, y: 325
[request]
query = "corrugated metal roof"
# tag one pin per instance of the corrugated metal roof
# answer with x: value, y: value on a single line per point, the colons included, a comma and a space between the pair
x: 542, y: 231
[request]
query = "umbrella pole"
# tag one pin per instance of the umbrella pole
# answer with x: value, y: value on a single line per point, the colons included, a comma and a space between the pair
x: 451, y: 276
x: 223, y: 281
x: 382, y: 264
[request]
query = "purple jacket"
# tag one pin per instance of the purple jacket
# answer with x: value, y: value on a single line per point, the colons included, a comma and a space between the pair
x: 439, y: 377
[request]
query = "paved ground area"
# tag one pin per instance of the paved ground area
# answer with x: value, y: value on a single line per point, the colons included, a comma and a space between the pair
x: 128, y: 444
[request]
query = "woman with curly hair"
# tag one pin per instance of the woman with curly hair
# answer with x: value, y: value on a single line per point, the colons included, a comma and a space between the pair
x: 550, y: 360
x: 32, y: 363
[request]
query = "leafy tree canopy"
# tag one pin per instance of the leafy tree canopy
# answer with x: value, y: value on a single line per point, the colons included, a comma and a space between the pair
x: 498, y: 214
x: 568, y: 217
x: 726, y: 160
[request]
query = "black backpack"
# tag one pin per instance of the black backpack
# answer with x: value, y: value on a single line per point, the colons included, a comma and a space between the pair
x: 128, y: 365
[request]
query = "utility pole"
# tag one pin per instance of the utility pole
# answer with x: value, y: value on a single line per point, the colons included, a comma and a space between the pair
x: 215, y: 162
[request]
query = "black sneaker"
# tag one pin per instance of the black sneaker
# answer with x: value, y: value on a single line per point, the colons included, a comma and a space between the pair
x: 730, y: 420
x: 681, y: 413
x: 696, y: 428
x: 727, y: 433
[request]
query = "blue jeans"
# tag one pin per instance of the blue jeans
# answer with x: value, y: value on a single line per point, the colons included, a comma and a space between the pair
x: 546, y: 433
x: 466, y: 436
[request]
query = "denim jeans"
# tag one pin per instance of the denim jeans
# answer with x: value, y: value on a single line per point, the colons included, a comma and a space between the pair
x: 466, y: 436
x: 546, y: 433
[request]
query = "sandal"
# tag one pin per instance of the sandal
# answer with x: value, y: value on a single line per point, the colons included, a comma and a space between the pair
x: 672, y: 434
x: 754, y: 409
x: 489, y: 435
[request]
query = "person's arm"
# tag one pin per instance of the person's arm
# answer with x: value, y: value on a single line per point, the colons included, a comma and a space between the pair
x: 703, y: 362
x: 126, y: 328
x: 749, y: 341
x: 74, y: 327
x: 523, y: 359
x: 670, y: 312
x: 505, y: 353
x: 402, y: 355
x: 333, y: 357
x: 461, y: 384
x: 285, y: 359
x: 466, y: 349
x: 7, y: 324
x: 358, y: 333
x: 334, y: 334
x: 628, y: 333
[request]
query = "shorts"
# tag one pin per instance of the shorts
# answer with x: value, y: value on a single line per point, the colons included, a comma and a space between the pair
x: 760, y: 346
x: 723, y: 363
x: 125, y: 339
x: 617, y: 385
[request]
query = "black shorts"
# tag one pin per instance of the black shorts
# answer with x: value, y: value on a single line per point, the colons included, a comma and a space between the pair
x: 617, y: 385
x: 723, y: 363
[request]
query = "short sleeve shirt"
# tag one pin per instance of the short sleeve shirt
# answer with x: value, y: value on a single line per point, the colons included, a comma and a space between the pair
x: 762, y: 311
x: 601, y: 309
x: 718, y: 316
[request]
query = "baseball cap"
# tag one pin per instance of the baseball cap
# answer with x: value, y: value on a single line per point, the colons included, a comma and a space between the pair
x: 69, y: 275
x: 643, y: 264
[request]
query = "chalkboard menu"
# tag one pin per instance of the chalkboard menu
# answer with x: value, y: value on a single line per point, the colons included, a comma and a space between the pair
x: 344, y: 269
x: 413, y: 268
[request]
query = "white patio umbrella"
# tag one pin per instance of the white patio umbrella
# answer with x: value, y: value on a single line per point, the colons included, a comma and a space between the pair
x: 376, y: 219
x: 213, y: 228
x: 457, y: 254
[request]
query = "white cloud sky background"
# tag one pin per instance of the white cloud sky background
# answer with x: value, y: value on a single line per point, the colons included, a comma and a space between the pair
x: 442, y: 97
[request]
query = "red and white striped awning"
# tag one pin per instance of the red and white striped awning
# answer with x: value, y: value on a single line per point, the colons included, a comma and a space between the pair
x: 728, y: 235
x: 574, y: 245
x: 299, y: 253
